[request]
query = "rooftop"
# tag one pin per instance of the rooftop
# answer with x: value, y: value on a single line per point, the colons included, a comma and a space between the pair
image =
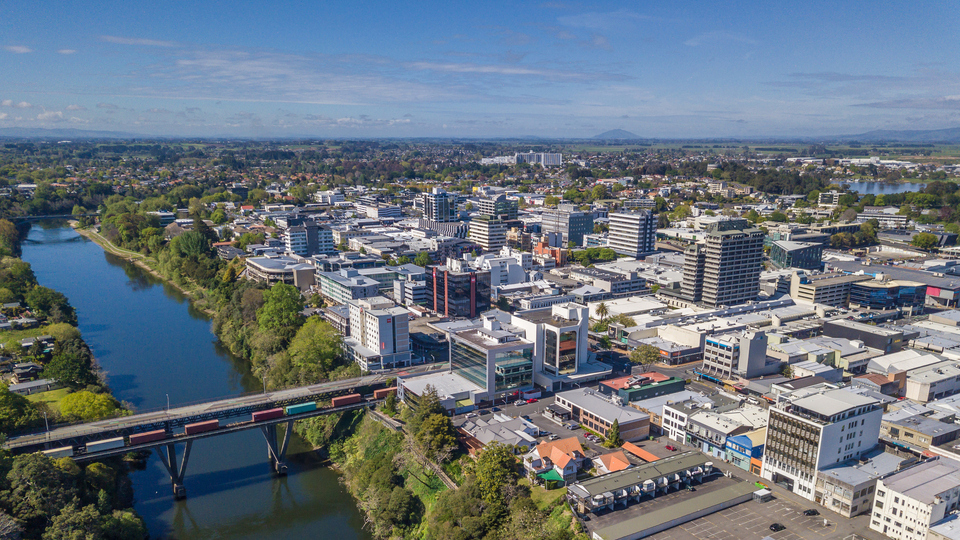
x: 874, y: 464
x: 833, y: 402
x: 595, y: 403
x: 925, y: 481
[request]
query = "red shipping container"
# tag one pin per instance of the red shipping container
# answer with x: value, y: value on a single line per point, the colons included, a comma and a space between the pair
x: 200, y: 427
x: 267, y: 415
x: 345, y: 400
x: 384, y: 392
x: 150, y: 436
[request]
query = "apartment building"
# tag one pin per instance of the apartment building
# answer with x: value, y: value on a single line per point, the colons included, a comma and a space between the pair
x: 815, y: 431
x: 488, y: 232
x: 438, y: 205
x: 909, y: 502
x: 634, y: 233
x: 379, y: 334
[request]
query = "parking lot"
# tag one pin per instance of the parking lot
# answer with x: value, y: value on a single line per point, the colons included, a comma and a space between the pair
x: 751, y: 521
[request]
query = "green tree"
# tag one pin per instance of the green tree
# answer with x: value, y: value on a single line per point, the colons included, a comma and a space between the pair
x: 613, y: 435
x: 51, y: 304
x: 437, y: 437
x: 315, y: 350
x: 71, y: 364
x: 925, y: 241
x: 427, y: 406
x: 74, y: 523
x: 423, y: 259
x: 124, y: 525
x: 494, y: 469
x: 38, y: 490
x: 219, y: 217
x: 16, y: 412
x: 84, y: 405
x: 280, y: 312
x: 645, y: 354
x: 602, y: 311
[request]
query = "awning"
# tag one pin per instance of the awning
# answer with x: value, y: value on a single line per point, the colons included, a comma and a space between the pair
x: 552, y: 474
x: 465, y: 403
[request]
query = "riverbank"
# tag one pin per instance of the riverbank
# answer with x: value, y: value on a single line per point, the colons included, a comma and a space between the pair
x: 140, y: 260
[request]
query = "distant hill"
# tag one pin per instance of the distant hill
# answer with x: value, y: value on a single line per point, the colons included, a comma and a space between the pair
x: 617, y: 134
x: 41, y: 133
x: 949, y: 135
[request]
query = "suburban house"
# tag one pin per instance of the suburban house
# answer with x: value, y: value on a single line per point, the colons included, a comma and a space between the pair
x: 612, y: 462
x: 556, y: 461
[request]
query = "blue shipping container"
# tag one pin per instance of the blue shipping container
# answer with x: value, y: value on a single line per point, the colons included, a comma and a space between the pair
x: 302, y: 408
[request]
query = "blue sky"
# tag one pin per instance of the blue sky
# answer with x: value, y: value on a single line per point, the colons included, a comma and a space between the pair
x: 480, y: 69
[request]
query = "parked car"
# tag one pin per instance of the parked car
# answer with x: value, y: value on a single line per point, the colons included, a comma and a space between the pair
x: 554, y: 437
x: 777, y: 527
x: 671, y: 448
x: 811, y: 512
x: 483, y: 413
x: 472, y: 415
x: 495, y: 409
x: 532, y: 400
x: 519, y: 402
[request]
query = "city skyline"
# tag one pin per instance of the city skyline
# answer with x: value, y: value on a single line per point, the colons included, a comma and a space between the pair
x: 550, y: 69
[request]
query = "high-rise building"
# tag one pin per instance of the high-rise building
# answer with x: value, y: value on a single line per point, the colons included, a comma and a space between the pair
x: 633, y: 233
x: 815, y: 431
x: 496, y: 360
x: 456, y: 290
x: 570, y: 223
x: 305, y: 237
x: 489, y: 232
x: 379, y: 334
x: 438, y: 205
x: 499, y: 207
x: 725, y: 269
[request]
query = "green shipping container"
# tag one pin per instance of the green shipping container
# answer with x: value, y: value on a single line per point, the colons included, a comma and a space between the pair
x: 301, y: 408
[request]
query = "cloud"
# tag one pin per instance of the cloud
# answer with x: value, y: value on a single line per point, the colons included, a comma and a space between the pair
x: 156, y: 110
x: 76, y: 120
x: 3, y: 116
x: 76, y: 108
x: 23, y: 105
x: 18, y: 49
x: 495, y: 69
x: 67, y: 51
x: 109, y: 106
x: 55, y: 116
x: 612, y: 20
x: 119, y: 40
x: 716, y: 37
x: 7, y: 103
x: 938, y: 103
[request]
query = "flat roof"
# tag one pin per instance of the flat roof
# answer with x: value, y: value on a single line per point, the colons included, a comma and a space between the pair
x: 595, y: 403
x: 898, y: 272
x: 639, y: 474
x: 672, y: 512
x: 875, y: 464
x: 833, y: 402
x: 925, y: 481
x: 446, y: 383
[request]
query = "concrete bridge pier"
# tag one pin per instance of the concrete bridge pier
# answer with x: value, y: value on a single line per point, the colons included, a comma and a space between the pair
x: 277, y: 453
x: 168, y: 456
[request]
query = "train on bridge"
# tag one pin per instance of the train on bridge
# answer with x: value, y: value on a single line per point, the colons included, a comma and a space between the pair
x: 135, y: 440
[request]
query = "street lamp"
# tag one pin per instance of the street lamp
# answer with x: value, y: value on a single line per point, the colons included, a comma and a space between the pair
x: 168, y: 402
x: 45, y: 420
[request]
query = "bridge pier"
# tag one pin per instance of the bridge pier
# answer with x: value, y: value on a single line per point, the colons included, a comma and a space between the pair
x: 277, y: 453
x: 168, y: 456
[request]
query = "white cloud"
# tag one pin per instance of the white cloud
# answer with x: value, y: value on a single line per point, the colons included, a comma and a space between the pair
x: 3, y: 116
x: 138, y: 41
x: 50, y: 116
x: 23, y: 105
x: 67, y: 51
x: 75, y: 120
x: 18, y: 49
x: 7, y: 103
x: 76, y: 108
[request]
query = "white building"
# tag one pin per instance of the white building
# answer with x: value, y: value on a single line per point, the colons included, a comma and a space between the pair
x: 820, y: 429
x: 523, y: 258
x: 633, y: 233
x: 379, y: 334
x: 910, y: 501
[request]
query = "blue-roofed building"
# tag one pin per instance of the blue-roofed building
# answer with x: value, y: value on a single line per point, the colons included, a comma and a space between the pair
x: 746, y: 451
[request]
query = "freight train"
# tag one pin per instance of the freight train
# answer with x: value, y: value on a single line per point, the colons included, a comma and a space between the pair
x: 203, y: 427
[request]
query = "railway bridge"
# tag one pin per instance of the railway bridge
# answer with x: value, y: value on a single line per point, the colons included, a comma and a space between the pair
x: 164, y: 429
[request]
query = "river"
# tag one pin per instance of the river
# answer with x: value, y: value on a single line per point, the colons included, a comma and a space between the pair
x: 152, y: 344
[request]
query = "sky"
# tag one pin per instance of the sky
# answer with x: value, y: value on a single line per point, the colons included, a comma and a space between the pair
x: 558, y: 69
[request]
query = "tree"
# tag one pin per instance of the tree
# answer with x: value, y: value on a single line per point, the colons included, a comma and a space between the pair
x: 423, y: 259
x: 72, y: 364
x: 925, y: 241
x: 613, y: 435
x: 494, y: 469
x: 84, y: 405
x: 428, y: 405
x: 281, y: 309
x: 645, y: 354
x: 16, y: 412
x: 602, y: 311
x: 219, y: 217
x: 315, y: 349
x: 74, y: 523
x: 51, y: 304
x: 436, y: 436
x: 38, y: 490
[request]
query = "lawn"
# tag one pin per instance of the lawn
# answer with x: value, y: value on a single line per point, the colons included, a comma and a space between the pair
x: 11, y: 338
x: 51, y: 398
x: 543, y: 497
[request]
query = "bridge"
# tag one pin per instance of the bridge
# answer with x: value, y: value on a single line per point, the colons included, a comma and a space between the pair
x: 164, y: 429
x: 52, y: 216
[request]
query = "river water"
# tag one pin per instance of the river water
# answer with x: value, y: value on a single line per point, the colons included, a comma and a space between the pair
x: 152, y: 344
x: 884, y: 188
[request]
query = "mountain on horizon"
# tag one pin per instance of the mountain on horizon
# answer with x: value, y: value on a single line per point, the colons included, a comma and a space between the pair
x: 42, y: 133
x: 948, y: 135
x: 616, y: 134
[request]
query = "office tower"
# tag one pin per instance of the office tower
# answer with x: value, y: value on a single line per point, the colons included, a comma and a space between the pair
x: 438, y: 205
x: 490, y: 233
x: 633, y: 233
x: 499, y: 207
x: 379, y: 334
x: 725, y: 269
x: 568, y: 222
